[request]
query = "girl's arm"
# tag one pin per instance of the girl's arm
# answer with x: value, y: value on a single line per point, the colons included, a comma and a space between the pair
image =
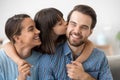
x: 23, y: 66
x: 89, y: 46
x: 12, y: 53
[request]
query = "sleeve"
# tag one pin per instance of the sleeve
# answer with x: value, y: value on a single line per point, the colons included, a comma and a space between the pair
x: 45, y: 70
x: 105, y: 72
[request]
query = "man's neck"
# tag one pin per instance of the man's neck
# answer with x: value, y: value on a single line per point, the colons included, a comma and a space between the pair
x: 76, y: 50
x: 22, y: 51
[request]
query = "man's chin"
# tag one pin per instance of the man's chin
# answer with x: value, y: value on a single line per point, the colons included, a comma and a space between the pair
x: 75, y: 44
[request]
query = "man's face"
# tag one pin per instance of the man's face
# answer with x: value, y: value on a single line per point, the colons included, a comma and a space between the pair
x: 78, y: 29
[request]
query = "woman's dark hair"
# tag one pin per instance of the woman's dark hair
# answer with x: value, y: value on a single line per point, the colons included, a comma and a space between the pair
x: 13, y: 25
x: 85, y: 10
x: 45, y: 20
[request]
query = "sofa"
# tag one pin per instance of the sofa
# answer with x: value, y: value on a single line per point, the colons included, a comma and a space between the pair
x: 114, y: 63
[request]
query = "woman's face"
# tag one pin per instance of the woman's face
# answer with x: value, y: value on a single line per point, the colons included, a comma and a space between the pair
x: 29, y: 34
x: 60, y: 28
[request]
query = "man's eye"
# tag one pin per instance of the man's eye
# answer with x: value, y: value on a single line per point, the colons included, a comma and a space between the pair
x: 85, y: 27
x: 73, y: 24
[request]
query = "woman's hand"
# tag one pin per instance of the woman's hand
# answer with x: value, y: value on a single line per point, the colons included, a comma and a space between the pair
x: 23, y: 69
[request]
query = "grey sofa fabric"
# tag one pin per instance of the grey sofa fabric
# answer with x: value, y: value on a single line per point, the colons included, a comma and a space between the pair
x: 114, y: 62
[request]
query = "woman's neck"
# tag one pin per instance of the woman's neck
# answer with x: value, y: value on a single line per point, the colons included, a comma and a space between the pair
x: 22, y: 51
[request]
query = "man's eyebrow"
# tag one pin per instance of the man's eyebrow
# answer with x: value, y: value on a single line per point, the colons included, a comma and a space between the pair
x: 73, y: 22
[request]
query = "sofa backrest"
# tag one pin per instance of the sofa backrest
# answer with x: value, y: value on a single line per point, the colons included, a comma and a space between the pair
x: 114, y: 62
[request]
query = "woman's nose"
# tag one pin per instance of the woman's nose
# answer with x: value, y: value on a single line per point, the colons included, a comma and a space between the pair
x: 37, y: 31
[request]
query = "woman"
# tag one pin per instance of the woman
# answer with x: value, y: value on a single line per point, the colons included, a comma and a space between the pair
x: 21, y: 31
x: 53, y: 28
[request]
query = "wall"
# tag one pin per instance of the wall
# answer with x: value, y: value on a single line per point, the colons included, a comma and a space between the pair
x: 107, y: 10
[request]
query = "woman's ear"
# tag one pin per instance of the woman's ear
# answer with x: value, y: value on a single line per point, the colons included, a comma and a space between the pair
x: 16, y: 38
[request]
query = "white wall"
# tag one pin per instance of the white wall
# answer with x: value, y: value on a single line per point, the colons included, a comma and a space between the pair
x: 107, y: 10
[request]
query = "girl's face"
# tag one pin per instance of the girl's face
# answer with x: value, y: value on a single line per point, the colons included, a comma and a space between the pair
x: 60, y: 28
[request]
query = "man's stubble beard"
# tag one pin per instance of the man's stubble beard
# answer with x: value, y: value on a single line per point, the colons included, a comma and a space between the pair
x: 72, y: 43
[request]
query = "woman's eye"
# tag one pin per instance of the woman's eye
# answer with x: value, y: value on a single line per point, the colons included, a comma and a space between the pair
x: 60, y: 23
x: 31, y: 28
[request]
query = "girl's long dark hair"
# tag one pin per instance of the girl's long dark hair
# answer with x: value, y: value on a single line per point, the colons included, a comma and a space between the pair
x: 45, y: 20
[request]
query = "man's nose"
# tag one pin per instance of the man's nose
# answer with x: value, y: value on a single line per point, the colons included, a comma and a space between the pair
x: 77, y: 29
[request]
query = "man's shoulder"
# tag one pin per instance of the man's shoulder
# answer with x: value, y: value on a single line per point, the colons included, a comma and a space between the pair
x: 98, y: 51
x: 97, y: 54
x: 97, y: 57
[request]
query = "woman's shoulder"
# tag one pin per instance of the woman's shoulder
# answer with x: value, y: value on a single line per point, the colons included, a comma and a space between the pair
x: 2, y: 54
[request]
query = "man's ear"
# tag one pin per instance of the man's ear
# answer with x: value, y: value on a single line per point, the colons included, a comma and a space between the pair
x: 91, y: 31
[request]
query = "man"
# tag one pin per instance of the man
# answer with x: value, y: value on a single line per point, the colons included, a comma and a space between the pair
x: 21, y: 31
x: 62, y: 64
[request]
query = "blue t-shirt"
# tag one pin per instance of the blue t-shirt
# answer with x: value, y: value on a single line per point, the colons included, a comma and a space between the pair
x: 9, y: 69
x: 53, y: 67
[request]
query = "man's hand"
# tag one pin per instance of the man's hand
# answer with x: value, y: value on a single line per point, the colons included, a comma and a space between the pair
x: 76, y: 71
